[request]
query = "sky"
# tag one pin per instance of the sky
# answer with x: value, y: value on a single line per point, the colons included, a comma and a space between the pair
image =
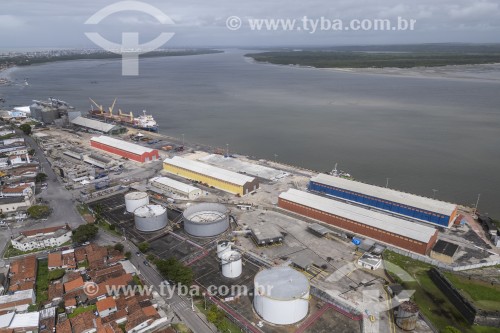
x: 203, y: 23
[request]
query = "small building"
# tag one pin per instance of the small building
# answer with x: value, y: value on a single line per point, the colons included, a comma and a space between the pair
x: 169, y: 185
x: 222, y: 179
x: 125, y: 149
x: 444, y: 251
x: 106, y: 306
x: 41, y: 238
x: 18, y: 301
x: 74, y: 284
x: 370, y: 261
x: 22, y: 274
x: 98, y: 126
x: 99, y: 161
x: 14, y: 207
x: 318, y: 229
x: 266, y: 234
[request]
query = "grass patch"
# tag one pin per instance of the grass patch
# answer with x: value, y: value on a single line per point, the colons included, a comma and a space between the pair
x: 42, y: 281
x: 136, y: 280
x: 83, y: 209
x: 181, y: 328
x: 483, y: 294
x: 82, y: 309
x: 104, y: 225
x: 226, y: 324
x: 432, y: 302
x: 83, y: 264
x: 56, y: 274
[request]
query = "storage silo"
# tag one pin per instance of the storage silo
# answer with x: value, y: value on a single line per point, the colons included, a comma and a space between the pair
x: 206, y: 219
x: 134, y: 200
x: 281, y: 295
x: 150, y: 218
x: 231, y: 264
x: 222, y: 247
x: 407, y: 316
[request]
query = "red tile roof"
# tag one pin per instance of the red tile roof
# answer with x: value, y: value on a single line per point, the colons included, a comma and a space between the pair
x: 55, y: 259
x: 74, y: 284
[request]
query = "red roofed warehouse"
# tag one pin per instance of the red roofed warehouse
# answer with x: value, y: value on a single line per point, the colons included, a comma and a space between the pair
x: 126, y: 149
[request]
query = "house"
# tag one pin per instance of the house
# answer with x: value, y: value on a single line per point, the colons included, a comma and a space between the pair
x: 84, y: 323
x: 18, y: 301
x: 17, y: 190
x: 55, y: 292
x: 106, y: 306
x: 13, y: 207
x: 54, y: 261
x: 22, y: 274
x: 20, y: 322
x: 64, y: 259
x: 74, y: 284
x: 42, y: 238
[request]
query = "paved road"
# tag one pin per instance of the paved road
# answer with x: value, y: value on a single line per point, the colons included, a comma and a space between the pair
x: 180, y: 305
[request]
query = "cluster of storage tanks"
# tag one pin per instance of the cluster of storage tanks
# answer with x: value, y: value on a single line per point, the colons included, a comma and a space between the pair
x: 148, y: 218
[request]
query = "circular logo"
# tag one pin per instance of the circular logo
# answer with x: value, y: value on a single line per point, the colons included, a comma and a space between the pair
x: 233, y: 23
x: 90, y: 289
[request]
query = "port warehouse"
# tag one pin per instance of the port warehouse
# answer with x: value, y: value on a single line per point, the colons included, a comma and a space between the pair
x: 222, y: 179
x: 126, y: 149
x: 392, y: 230
x: 428, y: 210
x: 98, y: 126
x: 170, y: 185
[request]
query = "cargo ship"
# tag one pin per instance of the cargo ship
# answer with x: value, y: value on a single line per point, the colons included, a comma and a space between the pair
x: 144, y: 122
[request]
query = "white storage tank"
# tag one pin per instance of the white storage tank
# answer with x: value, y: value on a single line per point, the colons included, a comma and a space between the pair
x: 150, y: 218
x: 231, y: 264
x: 134, y: 200
x: 281, y: 295
x: 206, y: 219
x: 222, y: 247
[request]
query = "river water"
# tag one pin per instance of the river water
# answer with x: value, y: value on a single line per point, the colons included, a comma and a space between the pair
x: 425, y: 130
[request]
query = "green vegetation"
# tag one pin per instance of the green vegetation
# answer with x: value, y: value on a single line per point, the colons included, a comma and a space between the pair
x: 218, y: 317
x: 151, y: 257
x: 42, y: 281
x: 24, y: 60
x: 39, y: 211
x: 82, y: 309
x: 128, y: 255
x: 143, y: 247
x: 119, y: 247
x: 181, y: 328
x: 356, y: 59
x: 430, y: 299
x: 136, y: 280
x: 84, y: 233
x: 83, y: 264
x: 173, y: 269
x: 40, y: 177
x: 26, y: 128
x: 484, y: 295
x: 56, y: 274
x: 83, y: 209
x: 7, y: 136
x: 33, y: 307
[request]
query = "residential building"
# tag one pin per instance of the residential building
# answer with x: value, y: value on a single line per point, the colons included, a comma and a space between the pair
x: 42, y: 238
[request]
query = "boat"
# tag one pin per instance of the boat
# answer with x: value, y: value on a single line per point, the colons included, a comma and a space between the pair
x: 143, y: 122
x: 340, y: 173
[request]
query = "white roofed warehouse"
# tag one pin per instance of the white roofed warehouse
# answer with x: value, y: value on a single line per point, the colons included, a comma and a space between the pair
x: 99, y: 126
x: 170, y: 185
x: 125, y: 149
x: 392, y: 230
x: 222, y: 179
x: 414, y: 206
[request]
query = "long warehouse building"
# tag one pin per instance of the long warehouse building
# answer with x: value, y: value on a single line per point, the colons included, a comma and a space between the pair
x: 170, y: 185
x: 391, y: 230
x: 125, y: 149
x: 428, y: 210
x: 222, y: 179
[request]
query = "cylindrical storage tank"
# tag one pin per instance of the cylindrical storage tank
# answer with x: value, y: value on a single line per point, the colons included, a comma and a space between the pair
x: 222, y: 247
x: 407, y: 316
x: 231, y: 264
x: 134, y: 200
x: 281, y: 295
x: 206, y: 219
x: 150, y: 218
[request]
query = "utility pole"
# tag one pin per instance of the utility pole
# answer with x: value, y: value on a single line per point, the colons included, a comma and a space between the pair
x: 183, y: 139
x: 387, y: 182
x: 434, y: 193
x: 227, y: 149
x: 275, y: 158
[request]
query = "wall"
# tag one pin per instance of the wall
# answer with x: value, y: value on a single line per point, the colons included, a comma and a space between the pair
x: 359, y: 228
x: 434, y: 218
x: 466, y: 308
